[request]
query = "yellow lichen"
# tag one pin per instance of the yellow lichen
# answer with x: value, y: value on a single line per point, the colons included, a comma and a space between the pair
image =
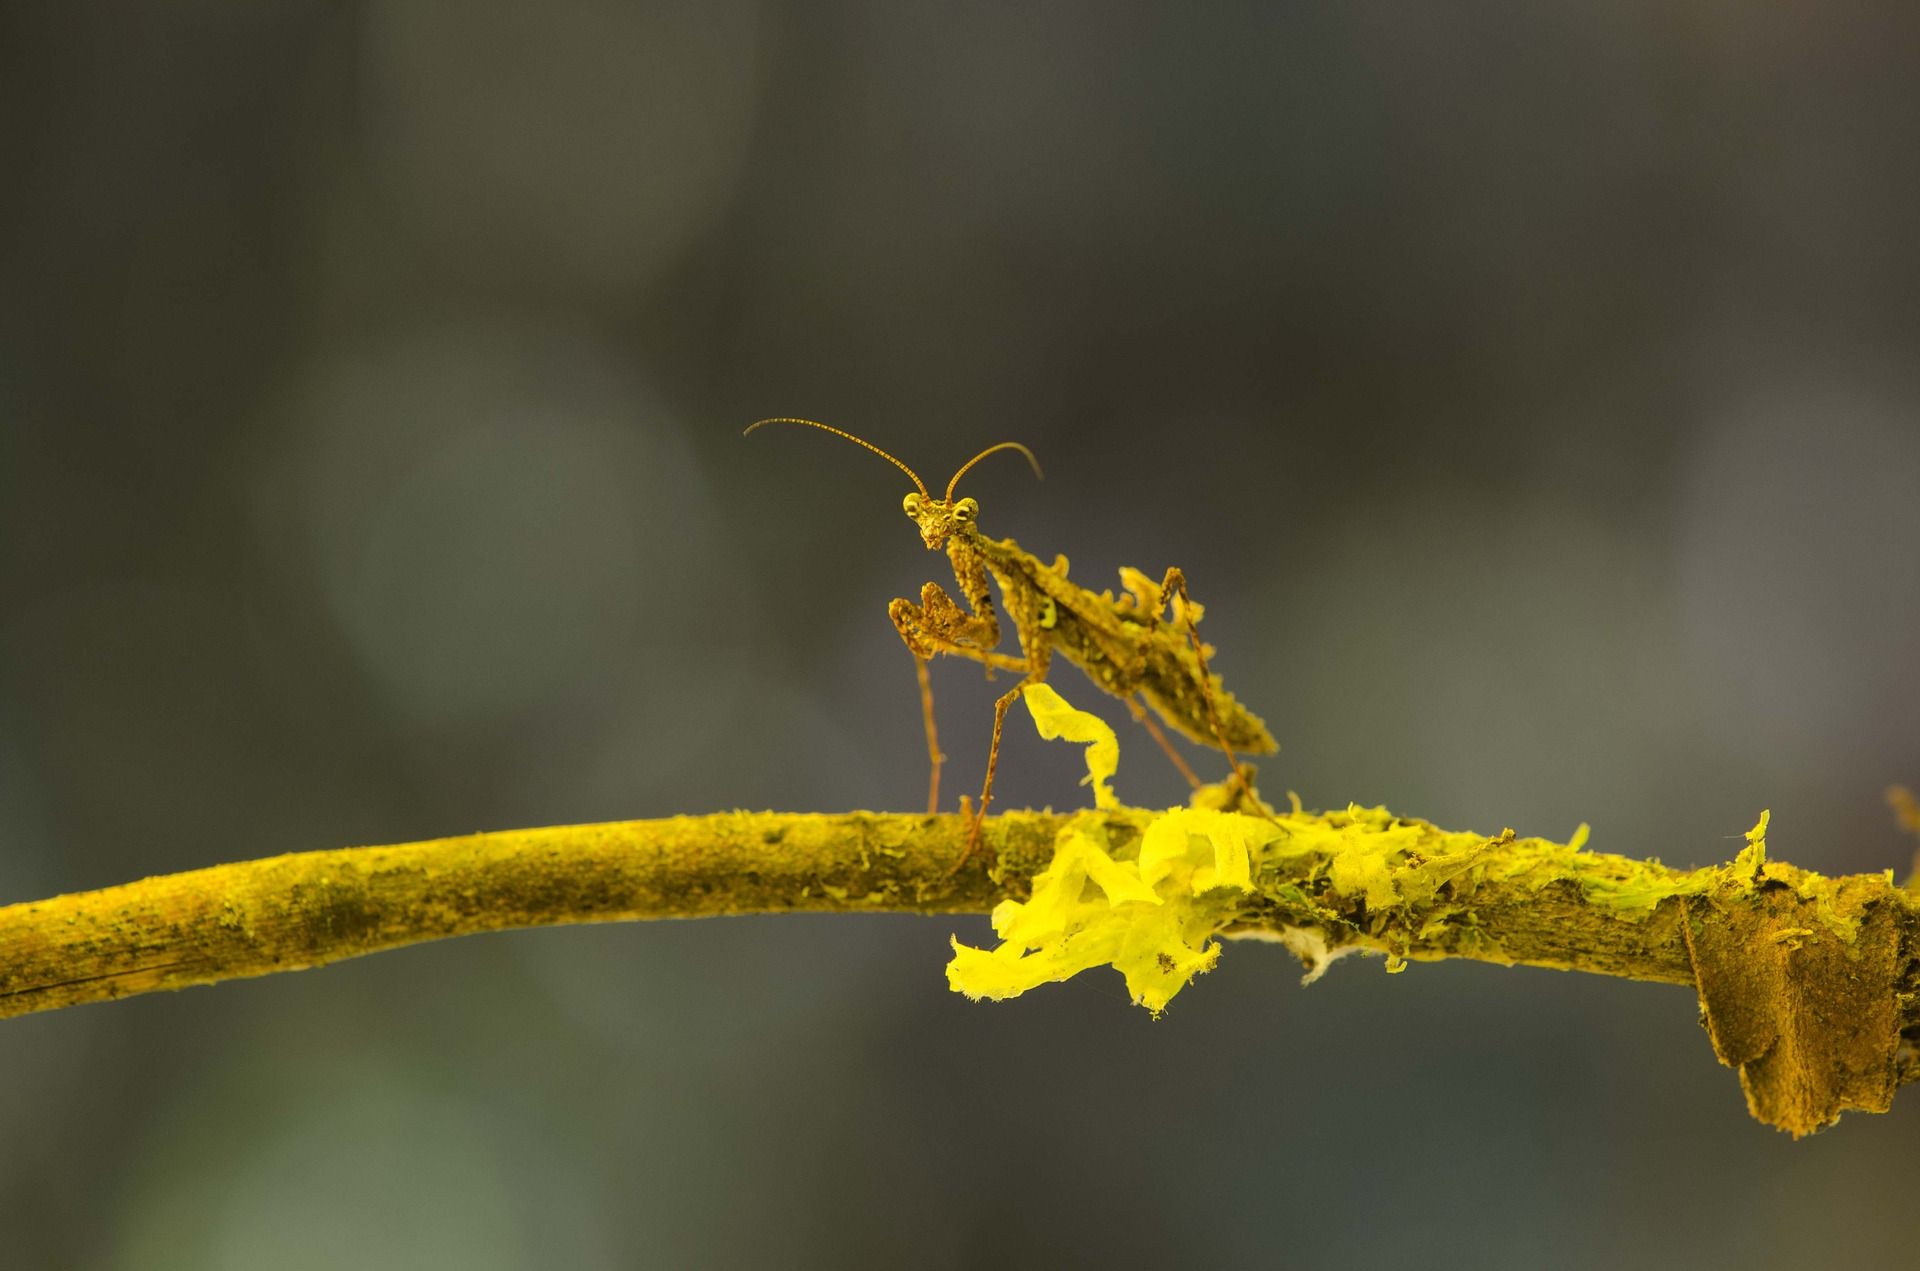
x: 1149, y: 904
x: 1150, y: 909
x: 1055, y: 720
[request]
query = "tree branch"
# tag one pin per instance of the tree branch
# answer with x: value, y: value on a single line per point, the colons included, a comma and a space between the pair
x: 1809, y: 985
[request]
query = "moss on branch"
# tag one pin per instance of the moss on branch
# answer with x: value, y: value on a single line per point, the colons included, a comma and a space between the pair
x: 1808, y: 984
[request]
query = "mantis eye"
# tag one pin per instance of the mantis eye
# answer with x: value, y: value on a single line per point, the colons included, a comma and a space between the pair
x: 912, y: 504
x: 966, y: 509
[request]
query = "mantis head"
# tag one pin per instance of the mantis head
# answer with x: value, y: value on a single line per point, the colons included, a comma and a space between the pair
x: 938, y: 519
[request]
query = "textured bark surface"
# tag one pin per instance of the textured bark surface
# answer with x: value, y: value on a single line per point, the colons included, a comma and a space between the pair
x: 1808, y: 985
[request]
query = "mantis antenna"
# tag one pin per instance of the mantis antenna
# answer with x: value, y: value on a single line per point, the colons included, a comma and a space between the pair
x: 1004, y: 445
x: 869, y: 445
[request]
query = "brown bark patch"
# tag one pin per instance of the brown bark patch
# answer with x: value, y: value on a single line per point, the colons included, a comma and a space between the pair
x: 1797, y: 978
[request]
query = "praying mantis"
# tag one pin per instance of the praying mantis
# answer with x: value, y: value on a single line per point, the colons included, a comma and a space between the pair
x: 1122, y: 645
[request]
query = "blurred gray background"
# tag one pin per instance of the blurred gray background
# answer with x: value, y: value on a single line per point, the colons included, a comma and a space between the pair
x: 1528, y: 391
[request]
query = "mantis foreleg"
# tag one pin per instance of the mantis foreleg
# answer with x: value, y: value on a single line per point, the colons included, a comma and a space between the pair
x: 939, y: 625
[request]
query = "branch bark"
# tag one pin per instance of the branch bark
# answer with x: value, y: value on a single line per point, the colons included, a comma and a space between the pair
x: 1809, y: 985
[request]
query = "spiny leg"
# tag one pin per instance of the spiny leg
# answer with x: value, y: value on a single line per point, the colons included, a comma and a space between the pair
x: 1175, y: 583
x: 922, y: 641
x: 1039, y: 658
x: 937, y: 625
x: 934, y: 757
x: 1135, y: 704
x: 1000, y: 706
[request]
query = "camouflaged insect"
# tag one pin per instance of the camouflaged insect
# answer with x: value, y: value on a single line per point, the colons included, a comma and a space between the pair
x: 1122, y: 644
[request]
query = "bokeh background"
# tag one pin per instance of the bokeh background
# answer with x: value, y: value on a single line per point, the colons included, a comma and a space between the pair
x: 1529, y: 391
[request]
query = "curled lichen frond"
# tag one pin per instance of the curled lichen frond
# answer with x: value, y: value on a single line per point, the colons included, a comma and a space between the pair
x: 1055, y: 720
x: 1149, y: 905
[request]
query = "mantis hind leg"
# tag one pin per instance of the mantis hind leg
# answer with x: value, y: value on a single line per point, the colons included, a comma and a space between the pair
x: 1137, y: 705
x: 1172, y: 586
